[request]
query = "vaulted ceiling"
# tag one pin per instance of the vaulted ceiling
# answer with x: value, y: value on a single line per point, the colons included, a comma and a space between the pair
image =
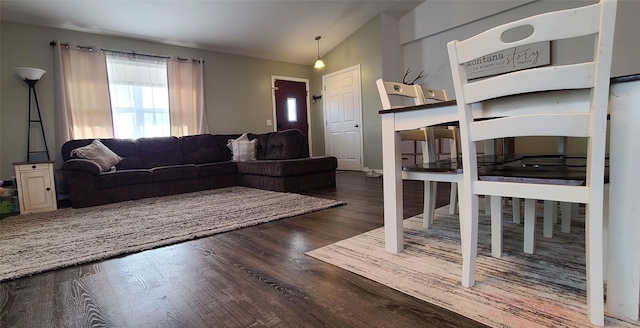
x: 269, y: 29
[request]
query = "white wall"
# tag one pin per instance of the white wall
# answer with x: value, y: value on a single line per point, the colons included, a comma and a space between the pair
x: 432, y: 17
x: 430, y: 52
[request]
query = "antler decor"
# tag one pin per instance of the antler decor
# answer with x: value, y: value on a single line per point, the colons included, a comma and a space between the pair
x: 421, y: 75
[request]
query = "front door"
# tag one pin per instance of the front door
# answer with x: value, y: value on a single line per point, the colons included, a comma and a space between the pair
x: 291, y: 105
x: 342, y: 114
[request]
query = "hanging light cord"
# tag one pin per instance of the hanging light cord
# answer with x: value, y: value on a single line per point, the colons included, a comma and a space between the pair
x: 318, y: 39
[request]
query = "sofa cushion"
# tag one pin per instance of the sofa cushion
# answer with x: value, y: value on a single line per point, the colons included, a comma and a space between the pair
x: 79, y: 164
x: 99, y: 153
x: 159, y: 151
x: 263, y: 142
x: 122, y: 178
x: 291, y: 167
x: 213, y: 169
x: 243, y: 149
x: 174, y: 172
x: 288, y: 144
x: 200, y: 149
x: 127, y: 149
x: 222, y: 140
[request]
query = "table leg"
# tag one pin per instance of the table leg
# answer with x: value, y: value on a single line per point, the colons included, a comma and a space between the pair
x: 623, y: 267
x: 392, y: 186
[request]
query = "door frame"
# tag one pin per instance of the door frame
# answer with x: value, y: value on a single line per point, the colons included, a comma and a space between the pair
x: 273, y: 103
x: 324, y: 108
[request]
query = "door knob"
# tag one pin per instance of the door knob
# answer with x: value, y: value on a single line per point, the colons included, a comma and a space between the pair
x: 355, y: 126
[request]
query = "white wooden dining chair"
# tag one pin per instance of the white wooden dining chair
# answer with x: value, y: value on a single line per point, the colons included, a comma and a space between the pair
x: 586, y: 120
x: 428, y: 137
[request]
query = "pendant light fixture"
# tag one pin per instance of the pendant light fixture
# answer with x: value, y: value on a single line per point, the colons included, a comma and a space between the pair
x: 319, y: 63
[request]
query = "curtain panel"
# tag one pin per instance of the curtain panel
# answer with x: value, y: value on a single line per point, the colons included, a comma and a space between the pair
x: 82, y: 107
x: 186, y: 97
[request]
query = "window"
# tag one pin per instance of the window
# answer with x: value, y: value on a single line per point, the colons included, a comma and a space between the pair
x: 139, y: 96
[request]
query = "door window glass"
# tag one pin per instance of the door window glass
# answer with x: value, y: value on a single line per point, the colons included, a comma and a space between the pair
x: 292, y: 113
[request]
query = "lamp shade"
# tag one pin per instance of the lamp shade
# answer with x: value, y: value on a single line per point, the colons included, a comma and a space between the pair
x: 319, y: 63
x: 29, y: 73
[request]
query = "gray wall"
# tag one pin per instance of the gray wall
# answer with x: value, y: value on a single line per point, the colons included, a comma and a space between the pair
x: 237, y: 88
x: 362, y: 48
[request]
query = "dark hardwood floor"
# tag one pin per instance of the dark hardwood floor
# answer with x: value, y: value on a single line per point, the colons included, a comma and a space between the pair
x: 252, y: 277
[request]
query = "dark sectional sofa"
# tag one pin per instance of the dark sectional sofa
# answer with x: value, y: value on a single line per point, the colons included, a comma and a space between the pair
x: 170, y: 165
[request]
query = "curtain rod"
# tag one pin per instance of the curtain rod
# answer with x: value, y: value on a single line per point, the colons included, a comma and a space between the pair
x: 133, y: 53
x: 53, y: 43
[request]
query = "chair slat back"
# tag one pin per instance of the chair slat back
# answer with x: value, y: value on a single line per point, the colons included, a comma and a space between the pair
x: 576, y: 76
x: 419, y: 96
x: 435, y: 94
x: 558, y: 25
x: 386, y: 89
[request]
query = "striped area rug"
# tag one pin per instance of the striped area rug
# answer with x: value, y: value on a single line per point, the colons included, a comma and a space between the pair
x: 546, y: 289
x: 39, y: 242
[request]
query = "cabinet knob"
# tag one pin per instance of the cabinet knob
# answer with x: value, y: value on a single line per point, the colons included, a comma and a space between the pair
x: 33, y: 166
x: 48, y: 189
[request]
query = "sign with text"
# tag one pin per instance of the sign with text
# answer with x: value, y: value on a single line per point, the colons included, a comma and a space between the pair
x: 513, y: 59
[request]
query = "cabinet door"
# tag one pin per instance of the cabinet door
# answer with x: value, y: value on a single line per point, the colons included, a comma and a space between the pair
x: 37, y: 192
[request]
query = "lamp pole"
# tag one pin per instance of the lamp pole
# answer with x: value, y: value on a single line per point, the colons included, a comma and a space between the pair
x: 32, y: 88
x: 31, y: 76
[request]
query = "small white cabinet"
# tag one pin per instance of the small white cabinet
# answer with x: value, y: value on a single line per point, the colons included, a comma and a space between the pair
x: 36, y: 187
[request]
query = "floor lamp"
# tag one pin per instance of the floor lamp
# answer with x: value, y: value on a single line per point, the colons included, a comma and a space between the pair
x: 31, y: 76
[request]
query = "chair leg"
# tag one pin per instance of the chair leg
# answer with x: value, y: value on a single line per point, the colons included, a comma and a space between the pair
x: 549, y: 218
x: 453, y: 198
x: 460, y: 218
x: 469, y: 234
x: 595, y: 266
x: 487, y: 205
x: 496, y: 225
x: 430, y: 191
x: 529, y: 225
x: 517, y: 210
x: 605, y: 232
x: 566, y: 209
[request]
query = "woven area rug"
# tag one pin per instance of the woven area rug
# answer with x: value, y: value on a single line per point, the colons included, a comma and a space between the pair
x: 546, y: 289
x: 35, y: 243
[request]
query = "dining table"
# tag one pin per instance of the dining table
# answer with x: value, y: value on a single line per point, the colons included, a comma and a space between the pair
x: 621, y: 230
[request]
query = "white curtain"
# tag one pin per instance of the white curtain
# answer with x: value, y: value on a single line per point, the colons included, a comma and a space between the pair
x: 186, y: 97
x: 82, y: 107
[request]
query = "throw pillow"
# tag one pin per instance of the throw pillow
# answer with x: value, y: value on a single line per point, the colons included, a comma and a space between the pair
x: 99, y: 153
x: 243, y: 149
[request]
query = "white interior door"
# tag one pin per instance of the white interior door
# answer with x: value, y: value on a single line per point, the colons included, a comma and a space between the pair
x: 343, y: 117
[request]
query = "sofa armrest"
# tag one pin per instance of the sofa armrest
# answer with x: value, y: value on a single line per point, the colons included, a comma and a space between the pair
x: 78, y: 164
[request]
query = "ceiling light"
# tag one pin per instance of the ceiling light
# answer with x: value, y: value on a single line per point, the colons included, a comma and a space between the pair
x: 319, y: 63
